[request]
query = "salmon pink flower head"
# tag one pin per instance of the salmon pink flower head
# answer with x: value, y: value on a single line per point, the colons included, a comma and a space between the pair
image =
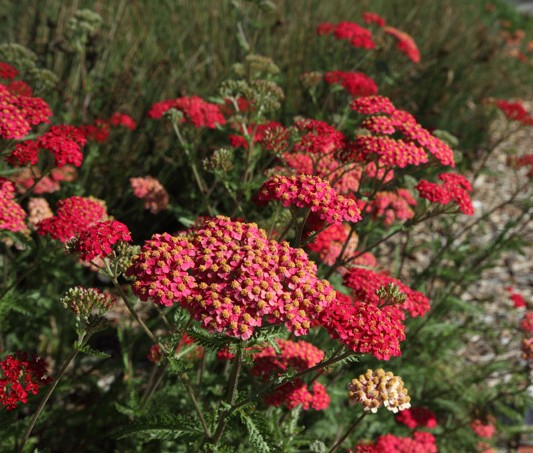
x: 195, y: 110
x: 38, y: 209
x: 311, y: 192
x: 527, y: 350
x: 365, y: 328
x: 391, y: 206
x: 379, y: 388
x: 98, y: 240
x: 455, y: 188
x: 231, y: 278
x: 73, y: 215
x: 364, y: 284
x: 355, y: 83
x: 296, y: 355
x: 20, y: 376
x: 150, y: 190
x: 404, y: 43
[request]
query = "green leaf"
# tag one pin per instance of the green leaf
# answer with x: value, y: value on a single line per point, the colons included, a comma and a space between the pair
x: 259, y: 432
x: 93, y: 352
x: 162, y: 427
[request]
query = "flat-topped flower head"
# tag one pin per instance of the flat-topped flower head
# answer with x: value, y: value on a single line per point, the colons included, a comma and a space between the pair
x: 73, y: 215
x: 395, y: 135
x: 455, y: 188
x: 483, y: 429
x: 12, y: 216
x: 230, y: 277
x: 194, y: 109
x: 98, y: 240
x: 417, y: 416
x: 65, y: 143
x: 378, y: 388
x: 312, y: 192
x: 356, y: 35
x: 20, y: 376
x: 365, y: 284
x: 365, y: 328
x: 153, y: 193
x: 298, y: 356
x: 404, y: 43
x: 355, y: 83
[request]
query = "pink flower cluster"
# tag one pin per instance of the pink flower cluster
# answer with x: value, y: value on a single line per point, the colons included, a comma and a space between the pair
x: 373, y: 18
x: 317, y: 137
x: 195, y: 110
x: 229, y: 276
x: 482, y: 429
x: 298, y: 356
x: 73, y: 215
x: 454, y: 188
x: 150, y: 190
x: 311, y: 192
x: 355, y: 83
x: 411, y: 149
x: 18, y: 113
x: 260, y: 131
x: 26, y: 179
x: 21, y: 376
x: 420, y: 442
x: 97, y: 241
x: 417, y: 417
x: 328, y: 243
x: 365, y: 328
x: 12, y: 216
x: 527, y: 322
x: 364, y: 283
x: 356, y: 35
x: 391, y: 206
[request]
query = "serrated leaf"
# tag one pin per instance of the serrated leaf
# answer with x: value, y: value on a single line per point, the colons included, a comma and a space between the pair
x: 93, y: 352
x: 259, y: 432
x: 162, y: 427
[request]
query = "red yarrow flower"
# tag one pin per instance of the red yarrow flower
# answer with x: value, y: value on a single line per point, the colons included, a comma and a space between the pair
x: 417, y: 417
x: 364, y: 283
x: 150, y: 190
x: 355, y: 83
x: 365, y: 328
x: 515, y: 111
x: 311, y: 192
x: 12, y: 216
x: 482, y: 429
x: 121, y: 119
x: 527, y: 322
x: 21, y: 376
x: 7, y: 72
x: 373, y: 18
x: 455, y: 188
x: 404, y: 43
x: 517, y: 298
x: 98, y: 239
x: 195, y: 110
x: 73, y: 216
x: 65, y: 143
x: 358, y: 36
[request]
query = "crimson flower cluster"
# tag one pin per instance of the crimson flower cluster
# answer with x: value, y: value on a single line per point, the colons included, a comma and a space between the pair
x: 73, y: 215
x: 417, y: 417
x: 97, y: 241
x: 260, y: 131
x: 365, y: 328
x: 150, y: 190
x: 373, y: 18
x: 297, y: 356
x: 18, y: 113
x: 7, y: 72
x: 454, y: 188
x: 21, y: 376
x: 527, y: 322
x: 100, y: 129
x: 517, y: 298
x: 311, y: 192
x: 12, y: 216
x: 420, y: 442
x: 229, y: 276
x: 514, y: 111
x: 195, y: 110
x: 364, y: 283
x: 355, y: 83
x: 410, y: 148
x: 357, y: 36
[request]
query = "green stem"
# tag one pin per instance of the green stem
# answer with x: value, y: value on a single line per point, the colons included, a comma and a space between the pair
x: 350, y: 430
